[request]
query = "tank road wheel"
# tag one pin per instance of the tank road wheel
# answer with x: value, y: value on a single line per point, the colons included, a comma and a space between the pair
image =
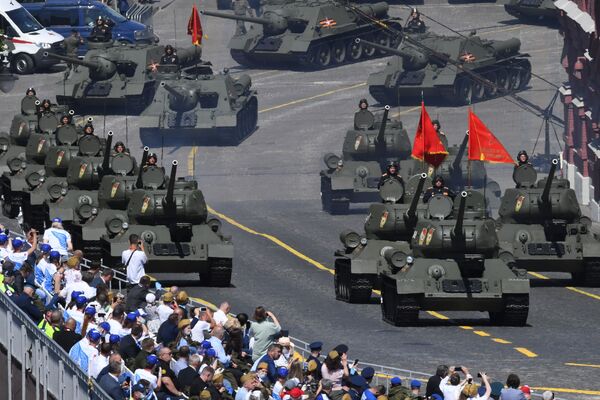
x: 463, y: 91
x: 591, y: 273
x: 478, y: 91
x: 503, y: 80
x: 354, y: 50
x: 322, y: 57
x: 525, y: 74
x: 349, y: 287
x: 514, y: 79
x: 369, y: 51
x: 491, y: 90
x: 218, y: 274
x: 339, y: 52
x: 516, y: 309
x: 398, y: 310
x: 383, y: 40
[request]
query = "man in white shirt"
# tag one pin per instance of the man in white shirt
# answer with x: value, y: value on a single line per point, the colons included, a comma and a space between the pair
x: 220, y: 316
x: 451, y: 386
x: 4, y: 249
x: 18, y: 256
x: 101, y: 361
x: 134, y: 258
x: 202, y: 325
x: 146, y: 373
x: 58, y: 238
x: 166, y: 308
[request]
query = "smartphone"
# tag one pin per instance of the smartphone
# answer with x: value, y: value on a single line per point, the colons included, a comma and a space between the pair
x: 356, y: 362
x: 458, y: 369
x: 202, y: 309
x: 479, y: 374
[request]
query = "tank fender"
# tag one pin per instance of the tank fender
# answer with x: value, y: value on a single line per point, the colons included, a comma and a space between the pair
x: 219, y: 250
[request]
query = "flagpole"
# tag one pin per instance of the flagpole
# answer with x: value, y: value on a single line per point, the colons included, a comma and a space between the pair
x: 422, y: 130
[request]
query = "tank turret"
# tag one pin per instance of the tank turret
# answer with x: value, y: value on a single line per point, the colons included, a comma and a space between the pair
x: 180, y: 99
x: 273, y: 23
x: 99, y: 68
x: 413, y: 58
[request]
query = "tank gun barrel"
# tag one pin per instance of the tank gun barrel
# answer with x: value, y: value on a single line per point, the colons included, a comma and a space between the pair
x: 504, y: 48
x: 72, y: 60
x: 139, y: 184
x: 384, y: 119
x: 262, y: 21
x: 374, y: 10
x: 411, y: 213
x: 106, y: 159
x: 169, y: 199
x: 546, y: 193
x: 460, y: 217
x: 173, y: 92
x: 413, y: 59
x: 189, y: 55
x: 461, y: 153
x: 181, y: 100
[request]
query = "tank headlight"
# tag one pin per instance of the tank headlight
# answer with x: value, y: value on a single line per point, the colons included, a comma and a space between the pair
x: 63, y: 191
x: 24, y: 165
x: 94, y: 211
x: 42, y: 179
x: 125, y: 225
x: 363, y: 241
x: 410, y: 260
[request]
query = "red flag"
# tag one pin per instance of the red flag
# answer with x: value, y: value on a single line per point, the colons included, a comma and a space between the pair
x: 483, y: 145
x: 427, y: 145
x: 195, y: 27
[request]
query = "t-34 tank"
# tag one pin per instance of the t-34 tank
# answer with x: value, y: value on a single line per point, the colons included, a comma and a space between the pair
x: 388, y: 229
x: 116, y: 79
x: 450, y: 69
x: 202, y: 104
x: 31, y: 121
x: 314, y: 34
x: 455, y: 267
x: 541, y: 227
x: 532, y: 9
x: 177, y: 235
x: 367, y: 148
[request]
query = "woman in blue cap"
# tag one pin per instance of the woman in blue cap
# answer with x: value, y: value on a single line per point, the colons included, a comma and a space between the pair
x: 19, y: 254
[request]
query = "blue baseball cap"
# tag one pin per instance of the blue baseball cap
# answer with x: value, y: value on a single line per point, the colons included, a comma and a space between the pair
x: 54, y: 256
x: 358, y: 381
x: 16, y: 243
x: 90, y: 311
x: 57, y: 220
x: 282, y: 372
x: 417, y: 384
x: 94, y: 335
x: 132, y: 316
x: 206, y: 344
x: 105, y: 326
x: 138, y: 388
x: 481, y: 391
x: 368, y: 373
x: 151, y: 359
x: 396, y: 380
x: 3, y: 238
x: 436, y: 396
x: 211, y: 353
x: 75, y: 294
x: 45, y: 248
x: 81, y: 300
x: 112, y: 339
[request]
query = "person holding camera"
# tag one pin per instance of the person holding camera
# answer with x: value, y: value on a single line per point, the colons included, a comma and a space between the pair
x: 134, y: 259
x: 452, y: 386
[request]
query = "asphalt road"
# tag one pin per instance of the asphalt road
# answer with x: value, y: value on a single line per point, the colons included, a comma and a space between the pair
x: 270, y: 183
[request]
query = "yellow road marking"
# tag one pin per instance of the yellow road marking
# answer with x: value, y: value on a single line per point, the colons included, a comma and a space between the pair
x: 191, y: 159
x: 501, y: 341
x: 406, y: 111
x: 582, y: 365
x: 571, y: 288
x: 438, y: 315
x: 526, y: 352
x: 466, y: 327
x: 293, y: 102
x: 481, y: 333
x: 566, y: 390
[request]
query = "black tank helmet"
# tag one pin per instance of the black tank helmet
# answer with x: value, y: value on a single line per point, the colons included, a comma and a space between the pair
x: 438, y: 178
x: 152, y: 155
x: 523, y: 153
x: 86, y: 126
x: 119, y: 144
x: 361, y: 102
x: 436, y: 122
x: 392, y: 164
x: 30, y: 92
x: 67, y: 117
x: 46, y: 103
x: 169, y: 49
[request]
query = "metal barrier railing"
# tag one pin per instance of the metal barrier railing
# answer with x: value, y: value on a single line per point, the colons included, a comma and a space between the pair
x: 41, y: 360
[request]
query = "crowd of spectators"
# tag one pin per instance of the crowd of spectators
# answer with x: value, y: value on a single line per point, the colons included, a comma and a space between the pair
x: 147, y: 342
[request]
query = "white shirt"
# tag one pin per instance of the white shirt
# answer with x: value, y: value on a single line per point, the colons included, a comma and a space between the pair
x: 97, y: 365
x: 220, y: 317
x: 18, y: 258
x: 116, y: 328
x: 135, y: 268
x: 58, y: 239
x: 81, y: 286
x: 140, y: 374
x: 199, y: 329
x: 449, y: 391
x: 4, y: 252
x: 163, y: 312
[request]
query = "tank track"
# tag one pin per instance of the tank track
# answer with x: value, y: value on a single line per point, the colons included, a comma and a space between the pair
x: 338, y: 49
x: 329, y: 202
x: 247, y: 119
x: 351, y: 288
x: 219, y: 272
x: 516, y: 310
x: 396, y: 309
x: 591, y: 274
x: 512, y: 75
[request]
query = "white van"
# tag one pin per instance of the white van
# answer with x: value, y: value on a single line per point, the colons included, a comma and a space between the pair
x: 30, y: 38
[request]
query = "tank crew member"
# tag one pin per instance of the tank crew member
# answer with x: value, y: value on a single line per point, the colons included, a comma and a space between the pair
x: 240, y: 8
x: 30, y: 92
x: 65, y: 120
x: 120, y: 148
x: 102, y: 31
x: 522, y: 158
x: 391, y: 173
x: 88, y: 129
x: 72, y: 44
x: 441, y: 134
x: 152, y: 160
x: 170, y: 56
x: 45, y: 108
x: 363, y: 104
x: 363, y: 107
x: 438, y: 188
x: 415, y: 23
